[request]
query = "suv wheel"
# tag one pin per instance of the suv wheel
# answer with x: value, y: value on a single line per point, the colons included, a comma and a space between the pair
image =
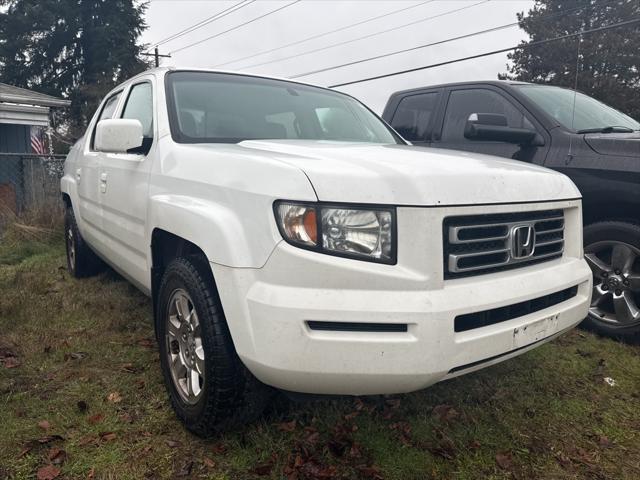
x: 81, y: 261
x: 612, y: 250
x: 209, y: 387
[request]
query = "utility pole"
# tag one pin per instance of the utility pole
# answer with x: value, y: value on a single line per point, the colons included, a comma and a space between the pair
x: 156, y: 55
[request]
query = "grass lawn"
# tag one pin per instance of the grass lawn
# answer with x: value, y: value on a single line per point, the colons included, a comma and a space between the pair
x: 81, y: 396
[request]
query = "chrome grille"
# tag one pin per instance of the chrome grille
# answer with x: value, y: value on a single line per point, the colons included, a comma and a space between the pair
x: 477, y: 244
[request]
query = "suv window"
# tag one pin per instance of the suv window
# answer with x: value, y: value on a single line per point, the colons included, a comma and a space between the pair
x: 413, y: 116
x: 139, y: 106
x: 463, y: 103
x: 108, y: 109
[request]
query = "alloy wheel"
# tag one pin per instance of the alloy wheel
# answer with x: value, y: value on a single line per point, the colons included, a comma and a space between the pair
x: 616, y: 282
x: 185, y: 352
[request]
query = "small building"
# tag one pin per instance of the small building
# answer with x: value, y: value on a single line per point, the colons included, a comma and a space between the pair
x: 24, y: 118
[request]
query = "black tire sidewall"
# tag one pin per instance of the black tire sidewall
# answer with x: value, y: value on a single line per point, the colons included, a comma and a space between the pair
x: 174, y: 279
x: 618, y: 231
x: 70, y: 224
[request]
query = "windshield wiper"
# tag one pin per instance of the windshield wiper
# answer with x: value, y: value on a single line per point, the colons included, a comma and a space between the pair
x: 611, y: 129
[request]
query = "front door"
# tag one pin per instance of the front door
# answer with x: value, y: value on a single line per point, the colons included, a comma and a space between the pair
x: 124, y: 187
x: 464, y: 101
x: 87, y: 175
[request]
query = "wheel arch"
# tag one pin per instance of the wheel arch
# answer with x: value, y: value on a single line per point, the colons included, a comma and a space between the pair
x: 165, y: 247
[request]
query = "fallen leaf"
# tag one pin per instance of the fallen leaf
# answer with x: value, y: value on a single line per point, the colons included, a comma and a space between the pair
x: 263, y: 469
x: 445, y: 413
x: 185, y: 471
x: 11, y: 362
x: 87, y: 440
x: 94, y: 419
x: 220, y: 448
x: 91, y: 474
x: 48, y: 472
x: 44, y: 424
x: 49, y: 438
x: 172, y: 443
x: 126, y: 417
x: 208, y: 462
x: 107, y: 436
x: 604, y: 441
x: 287, y: 426
x: 146, y: 342
x: 129, y: 368
x: 584, y: 353
x: 114, y: 397
x: 370, y: 471
x: 57, y: 456
x: 504, y: 460
x: 75, y: 356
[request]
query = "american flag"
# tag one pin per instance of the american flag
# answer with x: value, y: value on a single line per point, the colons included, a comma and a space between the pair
x: 37, y: 140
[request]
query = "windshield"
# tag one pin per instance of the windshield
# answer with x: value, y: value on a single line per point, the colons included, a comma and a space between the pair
x: 590, y: 113
x: 227, y: 108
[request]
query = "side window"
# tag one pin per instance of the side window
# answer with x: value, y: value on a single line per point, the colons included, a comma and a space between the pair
x: 139, y: 106
x: 108, y: 109
x: 413, y: 116
x: 463, y: 103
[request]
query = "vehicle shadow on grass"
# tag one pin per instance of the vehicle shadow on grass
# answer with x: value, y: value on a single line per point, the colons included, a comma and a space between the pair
x: 82, y: 395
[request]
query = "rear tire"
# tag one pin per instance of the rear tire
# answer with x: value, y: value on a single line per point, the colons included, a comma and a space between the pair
x: 81, y: 261
x: 209, y: 387
x: 612, y: 250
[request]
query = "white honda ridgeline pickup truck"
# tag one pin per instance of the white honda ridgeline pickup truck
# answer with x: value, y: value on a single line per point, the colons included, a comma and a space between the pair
x: 289, y: 238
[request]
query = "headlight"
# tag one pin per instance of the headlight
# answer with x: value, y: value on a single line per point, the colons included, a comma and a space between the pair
x: 365, y: 233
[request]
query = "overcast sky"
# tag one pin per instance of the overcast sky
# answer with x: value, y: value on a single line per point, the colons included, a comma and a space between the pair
x: 309, y: 18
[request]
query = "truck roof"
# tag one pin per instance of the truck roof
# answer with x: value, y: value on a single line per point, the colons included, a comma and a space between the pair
x: 499, y: 83
x: 159, y: 70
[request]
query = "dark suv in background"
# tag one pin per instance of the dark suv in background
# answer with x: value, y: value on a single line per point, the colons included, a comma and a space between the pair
x: 597, y: 146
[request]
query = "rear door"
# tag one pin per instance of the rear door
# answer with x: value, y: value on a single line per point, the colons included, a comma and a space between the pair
x: 462, y: 101
x: 413, y: 115
x: 124, y: 187
x: 88, y: 177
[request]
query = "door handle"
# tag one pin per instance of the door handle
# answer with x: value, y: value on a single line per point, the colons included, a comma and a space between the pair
x: 78, y: 174
x: 103, y: 182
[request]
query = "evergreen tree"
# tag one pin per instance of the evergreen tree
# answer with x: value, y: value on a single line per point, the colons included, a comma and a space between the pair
x: 608, y: 64
x: 76, y: 49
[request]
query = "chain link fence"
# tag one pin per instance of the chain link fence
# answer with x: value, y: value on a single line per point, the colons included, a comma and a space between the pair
x: 29, y: 182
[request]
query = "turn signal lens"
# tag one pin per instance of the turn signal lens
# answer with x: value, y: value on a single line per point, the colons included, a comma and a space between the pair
x: 298, y: 223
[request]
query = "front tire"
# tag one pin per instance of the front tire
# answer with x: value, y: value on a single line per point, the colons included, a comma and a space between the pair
x: 612, y: 250
x: 209, y: 387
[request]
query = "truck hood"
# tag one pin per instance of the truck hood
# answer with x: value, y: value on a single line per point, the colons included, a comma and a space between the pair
x: 618, y: 144
x: 406, y: 175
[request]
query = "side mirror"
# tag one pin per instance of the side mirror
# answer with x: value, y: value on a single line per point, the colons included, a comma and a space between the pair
x: 118, y: 135
x: 494, y: 127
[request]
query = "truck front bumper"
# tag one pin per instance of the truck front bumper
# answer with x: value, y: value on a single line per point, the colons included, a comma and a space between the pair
x: 269, y: 311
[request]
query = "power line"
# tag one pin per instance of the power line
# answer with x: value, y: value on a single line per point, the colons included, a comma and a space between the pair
x: 365, y: 36
x: 206, y: 21
x: 494, y: 52
x: 440, y: 42
x: 298, y: 42
x: 236, y: 27
x: 447, y: 40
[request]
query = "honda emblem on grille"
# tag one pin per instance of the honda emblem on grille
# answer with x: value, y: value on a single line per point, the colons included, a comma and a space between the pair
x: 523, y: 241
